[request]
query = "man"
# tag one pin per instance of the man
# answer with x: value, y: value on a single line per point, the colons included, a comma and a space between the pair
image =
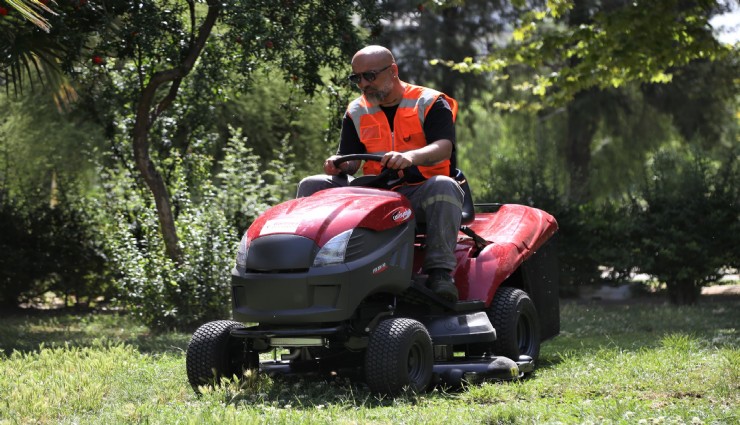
x: 413, y: 128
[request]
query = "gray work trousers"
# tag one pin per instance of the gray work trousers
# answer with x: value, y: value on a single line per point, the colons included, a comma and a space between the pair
x: 437, y: 202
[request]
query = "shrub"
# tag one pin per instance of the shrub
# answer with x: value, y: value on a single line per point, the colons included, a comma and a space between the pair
x: 49, y: 249
x: 210, y: 219
x: 687, y: 229
x: 590, y: 234
x: 163, y: 294
x: 18, y: 245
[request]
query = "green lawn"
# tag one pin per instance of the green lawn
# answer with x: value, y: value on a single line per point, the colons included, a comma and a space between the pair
x: 613, y: 363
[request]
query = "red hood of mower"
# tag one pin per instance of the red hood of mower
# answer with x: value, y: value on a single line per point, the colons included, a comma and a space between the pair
x: 330, y: 212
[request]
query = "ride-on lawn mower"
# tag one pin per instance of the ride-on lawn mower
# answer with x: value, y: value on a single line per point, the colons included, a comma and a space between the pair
x: 333, y: 282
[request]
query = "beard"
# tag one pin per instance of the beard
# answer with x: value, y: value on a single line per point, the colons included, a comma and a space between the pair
x: 379, y: 94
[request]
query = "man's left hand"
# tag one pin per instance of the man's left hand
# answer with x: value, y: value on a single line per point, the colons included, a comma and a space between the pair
x: 397, y: 160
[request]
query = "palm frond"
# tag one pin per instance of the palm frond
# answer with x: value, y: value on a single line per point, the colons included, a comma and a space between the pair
x: 31, y: 57
x: 31, y: 11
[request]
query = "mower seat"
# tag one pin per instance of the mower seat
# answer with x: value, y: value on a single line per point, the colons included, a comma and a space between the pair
x: 468, y: 208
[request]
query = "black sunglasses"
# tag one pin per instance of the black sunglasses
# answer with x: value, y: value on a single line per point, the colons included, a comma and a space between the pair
x: 369, y: 76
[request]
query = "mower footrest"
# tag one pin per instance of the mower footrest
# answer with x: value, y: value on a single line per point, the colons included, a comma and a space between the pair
x: 252, y: 333
x: 421, y: 294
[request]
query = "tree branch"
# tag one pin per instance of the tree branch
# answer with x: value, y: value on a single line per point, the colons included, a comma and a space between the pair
x: 145, y: 117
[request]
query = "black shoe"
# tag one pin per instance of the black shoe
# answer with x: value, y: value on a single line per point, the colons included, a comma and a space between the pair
x: 442, y: 284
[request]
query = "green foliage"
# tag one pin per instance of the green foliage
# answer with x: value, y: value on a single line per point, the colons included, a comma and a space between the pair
x: 522, y: 167
x: 702, y: 100
x: 245, y: 187
x: 157, y: 290
x: 17, y: 271
x: 30, y: 10
x: 50, y: 249
x: 72, y: 251
x: 49, y: 229
x: 419, y: 32
x: 593, y: 237
x: 43, y: 45
x: 153, y: 37
x: 689, y: 226
x: 37, y: 142
x: 571, y: 46
x: 273, y: 110
x: 597, y: 60
x: 523, y: 155
x: 210, y: 220
x: 629, y: 130
x: 509, y: 157
x: 691, y: 207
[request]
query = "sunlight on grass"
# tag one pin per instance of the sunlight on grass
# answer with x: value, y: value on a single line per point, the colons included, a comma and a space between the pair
x: 631, y: 364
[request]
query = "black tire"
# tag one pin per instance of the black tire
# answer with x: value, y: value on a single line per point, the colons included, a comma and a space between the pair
x: 514, y: 317
x: 399, y: 355
x: 212, y: 354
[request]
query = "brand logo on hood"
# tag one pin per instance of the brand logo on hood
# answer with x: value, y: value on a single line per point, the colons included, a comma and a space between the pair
x: 381, y: 268
x: 401, y: 214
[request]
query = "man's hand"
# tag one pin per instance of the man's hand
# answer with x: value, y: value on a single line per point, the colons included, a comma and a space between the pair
x: 428, y: 155
x: 349, y: 167
x: 329, y: 167
x: 397, y: 160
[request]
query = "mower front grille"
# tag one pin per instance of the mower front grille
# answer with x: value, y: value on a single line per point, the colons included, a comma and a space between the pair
x: 355, y: 248
x: 365, y: 241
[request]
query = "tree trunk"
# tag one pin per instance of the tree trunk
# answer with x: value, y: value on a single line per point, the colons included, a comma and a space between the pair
x: 146, y: 114
x: 583, y: 120
x: 683, y: 292
x: 156, y: 185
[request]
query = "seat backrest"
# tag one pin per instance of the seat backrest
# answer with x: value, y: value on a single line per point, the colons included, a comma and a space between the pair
x: 468, y: 208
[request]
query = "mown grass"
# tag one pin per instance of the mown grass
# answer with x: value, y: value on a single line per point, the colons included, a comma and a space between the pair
x: 637, y: 363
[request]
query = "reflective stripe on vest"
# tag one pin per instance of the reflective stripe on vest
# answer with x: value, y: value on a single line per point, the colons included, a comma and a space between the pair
x: 408, y: 127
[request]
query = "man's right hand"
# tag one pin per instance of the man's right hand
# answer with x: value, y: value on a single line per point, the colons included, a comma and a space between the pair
x: 330, y: 168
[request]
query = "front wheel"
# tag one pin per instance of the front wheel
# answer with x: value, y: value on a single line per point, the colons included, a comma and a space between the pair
x: 213, y: 354
x: 399, y: 355
x: 514, y: 316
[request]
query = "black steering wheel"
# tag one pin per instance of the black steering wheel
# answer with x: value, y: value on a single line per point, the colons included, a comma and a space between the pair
x: 387, y: 179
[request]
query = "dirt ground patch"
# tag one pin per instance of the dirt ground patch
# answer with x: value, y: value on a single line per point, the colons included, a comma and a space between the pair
x: 721, y: 290
x: 631, y: 294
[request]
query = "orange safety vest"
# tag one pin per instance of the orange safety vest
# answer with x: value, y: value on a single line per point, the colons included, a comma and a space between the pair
x: 408, y: 127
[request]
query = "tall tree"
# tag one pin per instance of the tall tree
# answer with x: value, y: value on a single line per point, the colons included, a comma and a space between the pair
x: 144, y: 53
x: 420, y: 31
x: 574, y: 53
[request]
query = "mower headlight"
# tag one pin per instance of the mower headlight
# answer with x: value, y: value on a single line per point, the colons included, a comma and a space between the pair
x: 241, y: 253
x: 333, y: 251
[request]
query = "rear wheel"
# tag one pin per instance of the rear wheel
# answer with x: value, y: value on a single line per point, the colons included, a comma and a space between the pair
x: 399, y: 355
x: 514, y: 316
x: 213, y: 354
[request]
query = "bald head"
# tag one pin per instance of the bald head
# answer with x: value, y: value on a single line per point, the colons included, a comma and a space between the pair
x: 379, y: 82
x: 373, y: 53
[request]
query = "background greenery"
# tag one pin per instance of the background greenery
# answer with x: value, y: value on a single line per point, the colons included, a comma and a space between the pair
x: 129, y: 169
